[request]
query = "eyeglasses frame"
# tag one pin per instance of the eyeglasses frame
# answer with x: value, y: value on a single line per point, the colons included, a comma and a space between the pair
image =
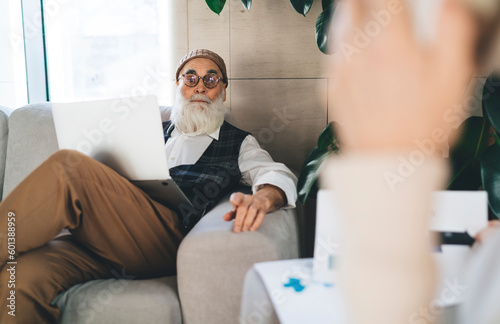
x: 203, y: 78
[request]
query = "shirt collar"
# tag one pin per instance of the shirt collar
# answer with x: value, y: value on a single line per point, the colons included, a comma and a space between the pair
x: 214, y: 134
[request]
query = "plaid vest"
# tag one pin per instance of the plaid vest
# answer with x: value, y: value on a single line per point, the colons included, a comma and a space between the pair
x: 212, y: 177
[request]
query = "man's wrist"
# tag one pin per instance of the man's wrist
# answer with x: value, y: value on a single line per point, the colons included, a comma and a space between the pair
x: 278, y: 197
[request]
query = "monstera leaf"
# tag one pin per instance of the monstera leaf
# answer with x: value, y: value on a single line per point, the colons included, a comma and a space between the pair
x: 216, y: 5
x: 307, y: 185
x: 247, y: 4
x: 302, y: 6
x: 323, y: 25
x: 490, y: 161
x: 490, y: 174
x: 475, y: 159
x: 465, y: 155
x: 491, y: 101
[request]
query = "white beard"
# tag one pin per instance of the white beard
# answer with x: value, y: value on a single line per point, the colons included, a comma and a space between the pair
x: 198, y: 117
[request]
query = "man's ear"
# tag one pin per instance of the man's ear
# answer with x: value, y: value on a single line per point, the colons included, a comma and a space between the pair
x: 225, y: 93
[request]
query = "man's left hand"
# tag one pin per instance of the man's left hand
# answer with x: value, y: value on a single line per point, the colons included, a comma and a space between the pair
x: 249, y: 210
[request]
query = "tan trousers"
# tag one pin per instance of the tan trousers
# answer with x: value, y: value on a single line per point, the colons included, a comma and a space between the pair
x: 114, y: 225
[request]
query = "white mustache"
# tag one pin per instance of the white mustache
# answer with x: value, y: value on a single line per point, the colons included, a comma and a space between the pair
x: 200, y: 97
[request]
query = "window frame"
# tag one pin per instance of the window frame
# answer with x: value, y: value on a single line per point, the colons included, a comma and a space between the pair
x: 35, y: 51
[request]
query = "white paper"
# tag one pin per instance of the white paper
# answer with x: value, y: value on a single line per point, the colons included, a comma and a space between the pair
x: 317, y: 303
x: 460, y: 211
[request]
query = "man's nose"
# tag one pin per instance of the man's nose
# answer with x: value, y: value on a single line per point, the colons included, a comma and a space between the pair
x: 200, y: 87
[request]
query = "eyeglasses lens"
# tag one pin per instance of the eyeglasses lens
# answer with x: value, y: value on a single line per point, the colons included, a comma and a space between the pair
x: 210, y: 80
x: 191, y: 80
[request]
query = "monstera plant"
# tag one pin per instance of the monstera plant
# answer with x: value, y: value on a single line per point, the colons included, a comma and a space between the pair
x: 302, y: 7
x: 307, y: 185
x: 475, y: 159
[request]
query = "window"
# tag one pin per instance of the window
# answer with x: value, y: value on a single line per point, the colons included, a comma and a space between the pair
x: 12, y: 64
x: 62, y: 50
x: 103, y: 49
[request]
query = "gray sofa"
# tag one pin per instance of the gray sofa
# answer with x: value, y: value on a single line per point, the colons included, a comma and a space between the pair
x: 212, y: 260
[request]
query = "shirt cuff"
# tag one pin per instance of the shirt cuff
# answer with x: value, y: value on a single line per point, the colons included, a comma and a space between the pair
x: 284, y: 183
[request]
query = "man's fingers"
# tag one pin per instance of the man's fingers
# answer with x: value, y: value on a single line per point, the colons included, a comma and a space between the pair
x: 229, y: 215
x: 494, y: 223
x: 362, y: 22
x: 241, y: 211
x: 237, y: 198
x: 250, y: 217
x: 248, y: 212
x: 492, y: 227
x: 356, y: 9
x: 258, y: 220
x: 363, y: 10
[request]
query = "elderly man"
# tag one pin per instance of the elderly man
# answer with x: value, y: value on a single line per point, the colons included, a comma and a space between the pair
x: 114, y: 224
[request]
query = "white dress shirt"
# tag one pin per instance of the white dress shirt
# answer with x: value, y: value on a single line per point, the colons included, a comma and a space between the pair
x: 256, y: 165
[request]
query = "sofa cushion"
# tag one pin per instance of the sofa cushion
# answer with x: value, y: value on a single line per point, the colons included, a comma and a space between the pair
x: 121, y: 301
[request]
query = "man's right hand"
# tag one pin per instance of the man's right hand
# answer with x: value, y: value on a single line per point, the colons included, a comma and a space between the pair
x: 249, y: 210
x: 493, y: 226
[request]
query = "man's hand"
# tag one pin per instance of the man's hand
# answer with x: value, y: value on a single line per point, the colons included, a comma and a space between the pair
x: 493, y: 226
x: 249, y: 210
x: 397, y: 90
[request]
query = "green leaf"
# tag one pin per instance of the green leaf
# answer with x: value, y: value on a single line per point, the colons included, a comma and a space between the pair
x: 466, y: 176
x: 302, y: 6
x: 326, y: 138
x: 326, y: 3
x: 490, y: 173
x: 307, y: 184
x: 465, y: 155
x: 216, y: 5
x: 247, y: 4
x: 491, y: 100
x: 473, y: 138
x: 323, y: 28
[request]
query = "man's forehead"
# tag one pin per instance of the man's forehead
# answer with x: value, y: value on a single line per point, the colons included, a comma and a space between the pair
x: 201, y: 66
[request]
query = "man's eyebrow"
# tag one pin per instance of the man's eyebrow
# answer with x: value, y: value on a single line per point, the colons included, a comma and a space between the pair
x: 190, y: 71
x: 212, y: 71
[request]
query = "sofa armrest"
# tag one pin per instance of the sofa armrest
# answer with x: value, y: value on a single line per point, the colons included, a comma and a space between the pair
x: 213, y: 260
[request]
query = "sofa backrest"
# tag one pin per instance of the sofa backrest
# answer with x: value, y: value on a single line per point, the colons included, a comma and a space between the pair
x: 32, y: 139
x: 4, y: 131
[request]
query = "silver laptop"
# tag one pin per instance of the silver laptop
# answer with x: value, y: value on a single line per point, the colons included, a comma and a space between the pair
x: 125, y: 134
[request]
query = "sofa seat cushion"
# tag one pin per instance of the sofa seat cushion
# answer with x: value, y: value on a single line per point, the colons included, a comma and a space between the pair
x: 121, y: 301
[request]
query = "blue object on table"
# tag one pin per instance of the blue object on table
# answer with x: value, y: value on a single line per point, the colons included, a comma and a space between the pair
x: 295, y: 284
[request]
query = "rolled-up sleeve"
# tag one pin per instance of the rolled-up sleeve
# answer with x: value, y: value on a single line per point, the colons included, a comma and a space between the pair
x: 258, y: 168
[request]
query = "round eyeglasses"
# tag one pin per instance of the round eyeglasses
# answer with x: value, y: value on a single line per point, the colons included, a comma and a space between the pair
x: 210, y: 80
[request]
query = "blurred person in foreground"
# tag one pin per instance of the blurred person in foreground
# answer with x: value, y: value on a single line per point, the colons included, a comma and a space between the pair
x: 391, y: 91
